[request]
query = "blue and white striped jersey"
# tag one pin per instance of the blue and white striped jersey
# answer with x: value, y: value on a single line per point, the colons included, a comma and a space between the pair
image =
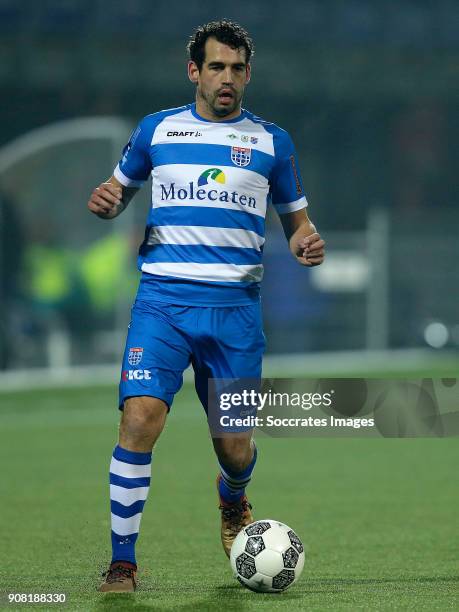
x: 211, y: 185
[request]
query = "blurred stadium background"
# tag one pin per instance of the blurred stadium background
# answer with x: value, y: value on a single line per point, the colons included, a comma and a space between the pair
x: 368, y: 89
x: 369, y: 92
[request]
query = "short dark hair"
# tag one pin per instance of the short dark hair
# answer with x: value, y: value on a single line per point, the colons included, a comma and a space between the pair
x: 226, y: 32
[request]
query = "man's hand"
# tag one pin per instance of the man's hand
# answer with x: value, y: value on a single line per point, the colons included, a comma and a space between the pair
x: 309, y: 251
x: 304, y: 242
x: 106, y: 201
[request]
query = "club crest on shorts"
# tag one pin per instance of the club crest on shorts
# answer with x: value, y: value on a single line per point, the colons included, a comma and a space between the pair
x: 241, y: 156
x: 135, y: 355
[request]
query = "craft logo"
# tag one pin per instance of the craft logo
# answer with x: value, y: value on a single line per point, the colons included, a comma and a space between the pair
x: 135, y: 355
x: 212, y: 173
x: 183, y: 134
x: 240, y: 156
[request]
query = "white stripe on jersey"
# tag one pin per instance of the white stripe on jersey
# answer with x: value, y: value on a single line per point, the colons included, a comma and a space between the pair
x: 186, y: 129
x: 227, y: 273
x: 249, y: 184
x: 125, y: 180
x: 210, y: 236
x: 282, y: 209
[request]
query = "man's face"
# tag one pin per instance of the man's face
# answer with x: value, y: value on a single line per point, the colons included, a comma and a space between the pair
x: 222, y: 79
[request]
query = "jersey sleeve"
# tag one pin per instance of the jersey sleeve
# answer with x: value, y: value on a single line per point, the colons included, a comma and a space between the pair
x: 135, y: 165
x: 287, y: 192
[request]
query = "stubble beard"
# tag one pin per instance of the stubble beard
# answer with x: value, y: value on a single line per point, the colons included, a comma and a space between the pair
x: 211, y: 101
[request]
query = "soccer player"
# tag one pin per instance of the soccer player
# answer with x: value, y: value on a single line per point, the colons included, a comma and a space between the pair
x: 215, y: 168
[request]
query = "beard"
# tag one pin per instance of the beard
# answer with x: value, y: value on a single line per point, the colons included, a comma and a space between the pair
x: 219, y: 108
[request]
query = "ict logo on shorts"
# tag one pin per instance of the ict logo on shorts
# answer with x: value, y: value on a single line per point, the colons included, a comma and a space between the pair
x: 135, y: 355
x: 136, y: 375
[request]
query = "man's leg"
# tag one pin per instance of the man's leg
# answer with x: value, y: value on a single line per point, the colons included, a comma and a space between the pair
x: 229, y: 347
x: 237, y: 455
x: 141, y: 424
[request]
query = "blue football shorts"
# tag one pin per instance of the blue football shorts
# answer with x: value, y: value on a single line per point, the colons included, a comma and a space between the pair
x: 163, y: 339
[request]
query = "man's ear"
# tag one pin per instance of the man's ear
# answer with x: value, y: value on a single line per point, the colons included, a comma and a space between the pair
x: 248, y: 73
x: 193, y: 72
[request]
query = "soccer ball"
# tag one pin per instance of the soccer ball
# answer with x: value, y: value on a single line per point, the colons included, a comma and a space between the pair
x: 267, y: 556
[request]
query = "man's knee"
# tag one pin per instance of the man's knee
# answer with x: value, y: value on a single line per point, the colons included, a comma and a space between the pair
x: 143, y: 417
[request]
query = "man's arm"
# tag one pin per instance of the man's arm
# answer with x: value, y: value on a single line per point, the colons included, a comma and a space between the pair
x: 109, y: 199
x: 305, y: 243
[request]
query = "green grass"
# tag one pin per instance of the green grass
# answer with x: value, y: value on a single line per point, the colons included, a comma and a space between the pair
x: 378, y: 516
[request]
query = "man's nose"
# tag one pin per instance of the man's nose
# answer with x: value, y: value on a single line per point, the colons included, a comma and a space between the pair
x: 228, y: 75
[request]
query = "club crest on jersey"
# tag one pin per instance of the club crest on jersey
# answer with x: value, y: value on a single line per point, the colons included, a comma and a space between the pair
x: 135, y: 355
x: 241, y: 156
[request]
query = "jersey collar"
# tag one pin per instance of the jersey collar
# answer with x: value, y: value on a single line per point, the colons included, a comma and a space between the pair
x: 234, y: 120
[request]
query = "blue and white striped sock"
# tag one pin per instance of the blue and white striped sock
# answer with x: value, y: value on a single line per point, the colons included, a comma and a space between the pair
x: 232, y: 484
x: 130, y: 474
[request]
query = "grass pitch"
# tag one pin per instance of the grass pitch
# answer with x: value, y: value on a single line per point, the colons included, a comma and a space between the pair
x: 378, y: 516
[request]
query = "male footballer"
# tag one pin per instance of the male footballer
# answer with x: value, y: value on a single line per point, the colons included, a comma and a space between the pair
x: 215, y: 167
